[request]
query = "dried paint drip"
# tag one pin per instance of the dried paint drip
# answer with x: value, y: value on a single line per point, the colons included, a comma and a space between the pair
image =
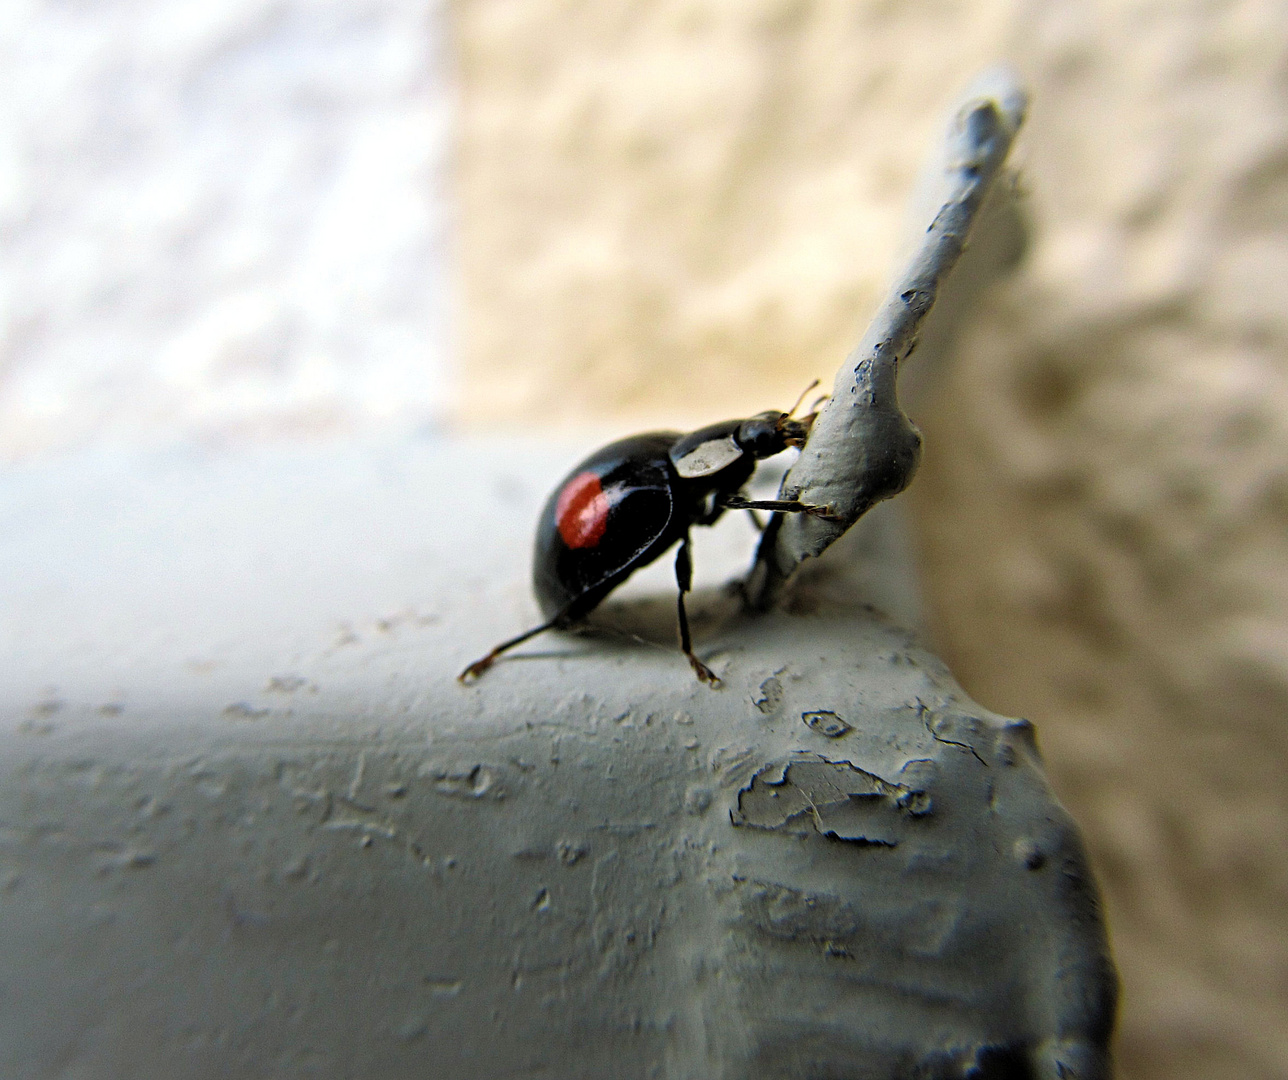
x: 826, y: 723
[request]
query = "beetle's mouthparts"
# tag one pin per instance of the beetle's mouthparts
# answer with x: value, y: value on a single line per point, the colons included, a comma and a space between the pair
x: 795, y: 432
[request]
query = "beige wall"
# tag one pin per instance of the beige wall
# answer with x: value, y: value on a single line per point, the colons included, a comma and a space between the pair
x: 675, y: 211
x: 672, y: 208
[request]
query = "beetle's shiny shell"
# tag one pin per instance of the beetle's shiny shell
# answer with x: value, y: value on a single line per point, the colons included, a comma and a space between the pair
x: 614, y: 513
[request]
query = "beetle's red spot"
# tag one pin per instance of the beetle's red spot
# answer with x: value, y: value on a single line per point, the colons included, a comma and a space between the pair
x: 581, y: 513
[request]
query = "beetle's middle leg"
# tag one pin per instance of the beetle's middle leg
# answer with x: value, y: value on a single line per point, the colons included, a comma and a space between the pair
x: 684, y: 579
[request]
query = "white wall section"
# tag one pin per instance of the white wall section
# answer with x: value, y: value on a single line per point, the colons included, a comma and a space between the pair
x: 218, y: 220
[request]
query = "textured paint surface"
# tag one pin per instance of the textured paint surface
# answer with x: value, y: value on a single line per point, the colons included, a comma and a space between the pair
x: 249, y: 817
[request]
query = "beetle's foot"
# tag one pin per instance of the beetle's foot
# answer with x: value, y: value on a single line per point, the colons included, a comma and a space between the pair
x: 476, y: 669
x: 703, y: 672
x: 824, y: 512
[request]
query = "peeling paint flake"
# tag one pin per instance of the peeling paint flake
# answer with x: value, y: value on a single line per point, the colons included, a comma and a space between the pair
x: 826, y: 723
x: 473, y: 781
x: 126, y: 859
x: 833, y: 798
x: 444, y: 988
x: 771, y: 694
x: 242, y: 710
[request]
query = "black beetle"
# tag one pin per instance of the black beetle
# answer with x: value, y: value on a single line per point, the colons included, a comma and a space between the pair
x: 627, y: 503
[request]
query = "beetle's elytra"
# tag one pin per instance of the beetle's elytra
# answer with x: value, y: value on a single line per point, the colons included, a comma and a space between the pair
x: 630, y: 501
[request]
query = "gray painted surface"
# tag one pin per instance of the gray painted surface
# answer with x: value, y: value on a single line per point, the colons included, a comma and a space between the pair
x: 251, y: 826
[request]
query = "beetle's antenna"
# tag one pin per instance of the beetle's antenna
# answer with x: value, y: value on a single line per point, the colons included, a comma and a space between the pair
x: 807, y: 421
x: 807, y: 389
x: 794, y: 432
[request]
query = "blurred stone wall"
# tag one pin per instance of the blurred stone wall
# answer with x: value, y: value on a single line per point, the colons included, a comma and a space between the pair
x: 1104, y: 507
x: 681, y: 209
x: 672, y: 207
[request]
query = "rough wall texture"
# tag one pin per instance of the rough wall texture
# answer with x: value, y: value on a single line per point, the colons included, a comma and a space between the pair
x: 1105, y: 499
x: 689, y: 209
x: 670, y: 207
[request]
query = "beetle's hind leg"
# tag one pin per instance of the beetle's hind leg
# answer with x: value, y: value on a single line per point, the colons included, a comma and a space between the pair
x: 684, y: 579
x: 476, y: 669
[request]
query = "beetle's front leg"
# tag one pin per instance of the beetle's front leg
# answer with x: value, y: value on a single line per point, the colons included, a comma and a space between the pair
x: 779, y: 506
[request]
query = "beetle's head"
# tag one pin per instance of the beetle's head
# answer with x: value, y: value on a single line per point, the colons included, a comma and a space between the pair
x: 763, y: 435
x: 769, y: 433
